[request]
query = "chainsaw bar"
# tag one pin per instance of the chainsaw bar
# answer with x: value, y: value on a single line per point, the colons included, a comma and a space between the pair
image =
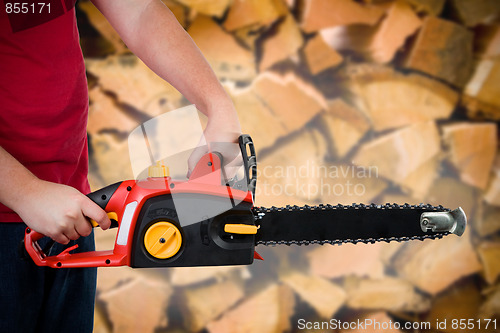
x: 356, y: 223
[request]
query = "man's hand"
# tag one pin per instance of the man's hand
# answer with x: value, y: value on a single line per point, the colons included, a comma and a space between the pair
x: 220, y: 135
x: 59, y: 211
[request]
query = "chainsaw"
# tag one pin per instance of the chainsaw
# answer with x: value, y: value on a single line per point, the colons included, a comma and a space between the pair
x: 219, y: 224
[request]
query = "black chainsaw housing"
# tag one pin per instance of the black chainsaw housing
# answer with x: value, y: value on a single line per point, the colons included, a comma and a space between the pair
x: 204, y: 242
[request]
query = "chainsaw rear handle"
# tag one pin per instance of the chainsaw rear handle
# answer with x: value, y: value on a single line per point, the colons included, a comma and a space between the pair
x: 100, y: 197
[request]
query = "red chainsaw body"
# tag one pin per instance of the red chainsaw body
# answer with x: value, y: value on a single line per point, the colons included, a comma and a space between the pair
x: 127, y: 202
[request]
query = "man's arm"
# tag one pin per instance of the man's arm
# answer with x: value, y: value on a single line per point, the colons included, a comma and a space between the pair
x: 152, y: 32
x: 55, y: 210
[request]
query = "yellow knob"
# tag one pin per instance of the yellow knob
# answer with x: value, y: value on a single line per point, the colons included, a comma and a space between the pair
x: 162, y: 240
x: 159, y: 170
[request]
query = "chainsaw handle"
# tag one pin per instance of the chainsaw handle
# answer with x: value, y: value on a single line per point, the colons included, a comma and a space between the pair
x: 101, y: 198
x: 249, y: 161
x: 31, y: 238
x: 34, y: 236
x: 40, y: 255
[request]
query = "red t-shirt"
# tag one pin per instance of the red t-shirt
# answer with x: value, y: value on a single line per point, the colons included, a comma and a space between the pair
x: 43, y: 95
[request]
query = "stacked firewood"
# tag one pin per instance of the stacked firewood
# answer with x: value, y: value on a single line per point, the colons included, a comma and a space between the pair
x: 347, y: 101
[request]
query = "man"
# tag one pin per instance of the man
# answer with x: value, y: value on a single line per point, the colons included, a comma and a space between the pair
x: 43, y: 147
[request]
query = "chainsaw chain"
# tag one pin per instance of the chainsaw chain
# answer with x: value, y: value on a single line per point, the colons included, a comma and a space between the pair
x: 259, y: 212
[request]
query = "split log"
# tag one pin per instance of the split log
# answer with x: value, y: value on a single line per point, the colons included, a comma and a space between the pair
x: 291, y: 99
x: 138, y: 306
x: 101, y: 24
x: 324, y: 296
x: 381, y: 93
x: 488, y: 221
x: 319, y: 14
x: 161, y: 104
x: 109, y: 279
x: 204, y: 304
x: 442, y: 49
x: 347, y: 259
x: 228, y: 59
x: 431, y: 7
x: 208, y: 7
x: 472, y: 13
x: 390, y: 35
x: 418, y: 182
x: 378, y: 43
x: 389, y: 250
x: 397, y: 156
x: 428, y: 266
x: 345, y: 126
x: 489, y: 253
x: 319, y: 56
x: 290, y: 174
x: 487, y: 41
x: 491, y: 307
x: 272, y: 306
x: 483, y: 91
x: 105, y: 114
x: 256, y: 118
x: 492, y: 194
x: 245, y: 13
x: 248, y: 36
x: 283, y: 41
x: 452, y: 193
x: 100, y: 324
x: 478, y: 110
x: 472, y: 149
x: 184, y: 276
x: 112, y: 158
x: 346, y: 183
x: 131, y: 81
x: 459, y: 302
x: 355, y: 38
x: 388, y: 293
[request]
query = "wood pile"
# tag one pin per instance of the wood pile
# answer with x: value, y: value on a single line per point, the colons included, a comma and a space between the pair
x: 347, y: 101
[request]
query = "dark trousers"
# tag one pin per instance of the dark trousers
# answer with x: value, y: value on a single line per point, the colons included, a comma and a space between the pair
x: 43, y: 299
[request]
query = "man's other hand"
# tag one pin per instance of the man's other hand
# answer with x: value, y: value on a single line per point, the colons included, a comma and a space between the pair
x: 220, y: 135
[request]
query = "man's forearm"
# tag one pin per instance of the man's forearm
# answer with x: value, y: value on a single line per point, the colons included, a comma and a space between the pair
x: 16, y: 179
x: 152, y: 32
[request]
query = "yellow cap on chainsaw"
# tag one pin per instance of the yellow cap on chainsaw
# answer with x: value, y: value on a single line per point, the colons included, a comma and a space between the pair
x: 159, y: 170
